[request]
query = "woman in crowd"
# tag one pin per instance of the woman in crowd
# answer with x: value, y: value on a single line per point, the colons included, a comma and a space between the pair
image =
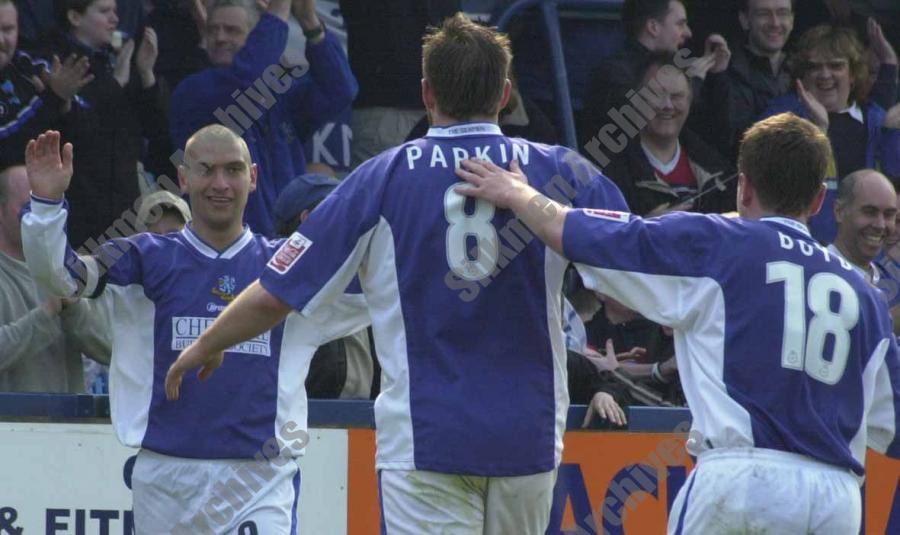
x: 120, y: 109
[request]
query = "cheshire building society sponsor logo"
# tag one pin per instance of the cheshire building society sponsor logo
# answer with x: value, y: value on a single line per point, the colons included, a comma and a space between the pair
x: 186, y: 329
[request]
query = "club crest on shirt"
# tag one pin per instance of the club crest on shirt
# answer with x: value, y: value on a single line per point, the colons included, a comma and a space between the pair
x: 225, y: 288
x: 611, y: 215
x: 289, y: 252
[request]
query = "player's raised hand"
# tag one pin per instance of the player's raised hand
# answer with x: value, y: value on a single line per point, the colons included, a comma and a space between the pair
x: 192, y: 357
x: 491, y: 182
x: 49, y: 169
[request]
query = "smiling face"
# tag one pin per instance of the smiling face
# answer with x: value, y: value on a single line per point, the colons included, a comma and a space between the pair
x: 95, y: 27
x: 218, y: 177
x: 226, y: 33
x: 671, y: 102
x: 768, y: 24
x: 867, y: 220
x: 828, y: 78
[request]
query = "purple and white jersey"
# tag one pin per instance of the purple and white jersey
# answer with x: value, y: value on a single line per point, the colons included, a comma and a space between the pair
x: 162, y: 293
x: 780, y: 343
x: 465, y: 302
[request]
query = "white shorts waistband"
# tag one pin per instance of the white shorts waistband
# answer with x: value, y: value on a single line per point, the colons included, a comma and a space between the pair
x: 769, y: 456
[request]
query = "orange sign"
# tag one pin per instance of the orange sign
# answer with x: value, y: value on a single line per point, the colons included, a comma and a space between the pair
x: 616, y: 483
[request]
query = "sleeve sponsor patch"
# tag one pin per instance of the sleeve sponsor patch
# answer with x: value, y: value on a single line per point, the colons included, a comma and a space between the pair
x: 289, y: 252
x: 611, y: 215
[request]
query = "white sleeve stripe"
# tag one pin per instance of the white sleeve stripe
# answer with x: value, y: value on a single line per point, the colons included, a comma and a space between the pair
x: 92, y: 278
x: 881, y: 419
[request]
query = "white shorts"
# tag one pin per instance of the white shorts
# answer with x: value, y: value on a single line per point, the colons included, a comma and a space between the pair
x: 175, y: 495
x: 414, y: 502
x: 755, y: 490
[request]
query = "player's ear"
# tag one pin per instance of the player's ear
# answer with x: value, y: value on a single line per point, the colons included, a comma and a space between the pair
x: 507, y: 93
x: 428, y: 95
x: 819, y: 200
x: 745, y: 192
x: 183, y: 179
x: 253, y: 172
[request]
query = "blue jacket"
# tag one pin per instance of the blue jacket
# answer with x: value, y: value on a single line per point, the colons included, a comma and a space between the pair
x: 883, y: 148
x: 238, y: 96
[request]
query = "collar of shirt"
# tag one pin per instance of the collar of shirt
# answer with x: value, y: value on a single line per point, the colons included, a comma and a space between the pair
x: 465, y: 129
x: 788, y: 222
x: 209, y: 251
x: 855, y: 111
x: 664, y: 168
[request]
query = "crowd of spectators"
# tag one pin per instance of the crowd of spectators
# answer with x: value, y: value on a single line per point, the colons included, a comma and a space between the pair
x: 128, y: 82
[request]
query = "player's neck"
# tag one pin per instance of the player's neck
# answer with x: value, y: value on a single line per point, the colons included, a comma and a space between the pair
x: 219, y: 239
x: 440, y: 120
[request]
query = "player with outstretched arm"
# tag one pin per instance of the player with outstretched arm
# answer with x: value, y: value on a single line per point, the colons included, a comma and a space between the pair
x: 785, y: 353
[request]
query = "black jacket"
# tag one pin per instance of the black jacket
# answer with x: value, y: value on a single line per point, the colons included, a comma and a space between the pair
x: 751, y: 85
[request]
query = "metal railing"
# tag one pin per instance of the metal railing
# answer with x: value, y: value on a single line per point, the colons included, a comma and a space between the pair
x: 549, y: 10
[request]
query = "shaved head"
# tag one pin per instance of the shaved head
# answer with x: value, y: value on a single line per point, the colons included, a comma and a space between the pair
x: 215, y: 134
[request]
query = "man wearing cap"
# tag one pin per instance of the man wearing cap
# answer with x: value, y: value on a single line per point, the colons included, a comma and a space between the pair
x: 298, y: 199
x: 162, y: 212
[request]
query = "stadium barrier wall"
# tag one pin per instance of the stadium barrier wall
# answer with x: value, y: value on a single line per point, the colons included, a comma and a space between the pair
x: 64, y: 472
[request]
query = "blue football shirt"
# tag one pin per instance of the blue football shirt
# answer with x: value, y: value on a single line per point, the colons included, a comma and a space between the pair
x: 780, y: 344
x: 465, y: 302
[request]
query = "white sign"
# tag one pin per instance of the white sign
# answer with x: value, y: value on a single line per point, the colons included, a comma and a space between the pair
x: 70, y: 479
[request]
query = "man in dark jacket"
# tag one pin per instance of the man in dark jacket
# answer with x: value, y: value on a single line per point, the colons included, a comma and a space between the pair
x: 757, y: 72
x: 669, y: 167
